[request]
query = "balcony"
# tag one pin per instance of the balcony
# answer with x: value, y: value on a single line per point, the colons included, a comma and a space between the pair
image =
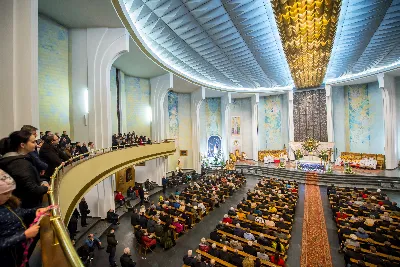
x: 69, y: 185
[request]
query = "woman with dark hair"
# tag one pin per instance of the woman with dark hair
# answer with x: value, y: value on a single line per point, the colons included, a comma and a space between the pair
x: 13, y: 230
x: 17, y: 163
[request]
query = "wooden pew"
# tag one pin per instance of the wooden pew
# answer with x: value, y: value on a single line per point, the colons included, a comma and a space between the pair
x: 218, y: 260
x: 242, y: 253
x: 270, y: 237
x: 268, y: 250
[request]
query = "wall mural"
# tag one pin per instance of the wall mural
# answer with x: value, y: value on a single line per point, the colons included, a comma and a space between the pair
x: 213, y: 116
x: 309, y: 115
x: 272, y: 106
x: 179, y: 127
x: 358, y: 116
x: 53, y: 76
x: 137, y: 92
x: 173, y: 122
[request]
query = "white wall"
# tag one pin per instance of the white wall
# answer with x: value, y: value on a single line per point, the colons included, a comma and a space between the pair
x: 100, y: 198
x: 18, y: 56
x: 153, y: 170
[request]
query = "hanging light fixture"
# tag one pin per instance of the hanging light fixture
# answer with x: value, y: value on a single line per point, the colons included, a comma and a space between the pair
x: 307, y: 29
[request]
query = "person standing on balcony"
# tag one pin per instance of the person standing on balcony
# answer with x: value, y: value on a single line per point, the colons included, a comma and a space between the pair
x: 84, y: 210
x: 50, y: 154
x: 19, y: 165
x: 13, y: 230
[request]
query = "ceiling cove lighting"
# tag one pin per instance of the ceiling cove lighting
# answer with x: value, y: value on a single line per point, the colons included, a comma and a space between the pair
x: 307, y: 29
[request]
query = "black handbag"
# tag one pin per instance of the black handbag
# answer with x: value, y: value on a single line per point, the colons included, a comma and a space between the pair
x: 88, y: 211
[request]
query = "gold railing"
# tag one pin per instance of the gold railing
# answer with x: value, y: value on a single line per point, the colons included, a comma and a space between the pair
x: 57, y: 248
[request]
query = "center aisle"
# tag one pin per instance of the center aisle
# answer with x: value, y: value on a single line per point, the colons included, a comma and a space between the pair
x: 172, y: 257
x: 315, y: 249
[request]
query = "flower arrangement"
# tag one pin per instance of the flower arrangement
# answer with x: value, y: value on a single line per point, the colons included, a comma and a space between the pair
x: 298, y: 155
x: 329, y: 169
x: 323, y: 154
x: 347, y: 168
x: 310, y: 144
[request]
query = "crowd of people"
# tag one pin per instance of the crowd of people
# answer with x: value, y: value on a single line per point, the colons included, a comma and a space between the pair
x: 162, y: 223
x: 26, y: 165
x: 369, y: 226
x: 130, y: 139
x: 257, y: 231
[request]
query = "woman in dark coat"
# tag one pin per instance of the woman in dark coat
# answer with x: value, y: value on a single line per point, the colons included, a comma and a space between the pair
x: 19, y: 165
x: 13, y: 230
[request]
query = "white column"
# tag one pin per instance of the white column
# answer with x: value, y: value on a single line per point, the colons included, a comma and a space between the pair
x: 159, y: 87
x: 226, y: 99
x: 197, y: 98
x: 387, y: 84
x: 104, y: 46
x: 255, y: 99
x: 329, y: 114
x: 19, y: 65
x: 291, y: 123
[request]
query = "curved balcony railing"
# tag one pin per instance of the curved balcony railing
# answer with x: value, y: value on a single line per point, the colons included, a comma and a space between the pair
x: 69, y: 184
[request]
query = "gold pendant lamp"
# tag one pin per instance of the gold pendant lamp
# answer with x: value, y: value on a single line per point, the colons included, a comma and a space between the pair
x: 307, y: 29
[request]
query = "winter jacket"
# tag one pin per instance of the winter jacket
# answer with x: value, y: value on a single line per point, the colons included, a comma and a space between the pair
x: 40, y: 165
x: 22, y: 169
x: 50, y: 154
x: 111, y: 243
x: 12, y: 234
x: 126, y: 261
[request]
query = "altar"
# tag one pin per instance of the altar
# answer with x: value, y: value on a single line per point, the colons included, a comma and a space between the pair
x: 310, y: 163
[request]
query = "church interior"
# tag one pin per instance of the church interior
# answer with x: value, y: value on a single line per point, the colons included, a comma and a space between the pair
x: 200, y: 133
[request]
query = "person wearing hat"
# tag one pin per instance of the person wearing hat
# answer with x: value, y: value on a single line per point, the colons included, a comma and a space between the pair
x: 361, y: 233
x: 352, y: 241
x: 13, y: 230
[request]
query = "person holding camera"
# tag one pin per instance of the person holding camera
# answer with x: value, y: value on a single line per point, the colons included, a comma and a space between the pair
x: 93, y: 242
x: 84, y: 210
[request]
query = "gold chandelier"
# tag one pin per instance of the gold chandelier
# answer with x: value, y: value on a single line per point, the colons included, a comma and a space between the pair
x: 307, y: 29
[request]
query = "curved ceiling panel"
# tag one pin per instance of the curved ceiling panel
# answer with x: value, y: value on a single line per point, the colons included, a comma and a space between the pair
x: 368, y: 37
x: 229, y: 45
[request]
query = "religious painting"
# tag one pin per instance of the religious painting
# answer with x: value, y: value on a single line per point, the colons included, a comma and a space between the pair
x: 183, y: 153
x: 214, y: 145
x: 128, y: 175
x: 235, y: 125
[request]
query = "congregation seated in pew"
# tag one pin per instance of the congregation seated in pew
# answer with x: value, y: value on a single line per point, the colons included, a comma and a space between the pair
x: 240, y: 237
x: 369, y: 226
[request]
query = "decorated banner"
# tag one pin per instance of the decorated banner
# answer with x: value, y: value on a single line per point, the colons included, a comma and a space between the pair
x: 235, y: 125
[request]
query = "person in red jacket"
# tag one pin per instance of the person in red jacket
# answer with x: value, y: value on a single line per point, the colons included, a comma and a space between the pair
x: 277, y: 259
x: 148, y: 241
x: 226, y: 219
x: 340, y: 214
x: 120, y: 198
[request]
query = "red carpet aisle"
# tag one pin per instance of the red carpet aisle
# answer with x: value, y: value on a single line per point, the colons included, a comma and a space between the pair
x: 315, y: 250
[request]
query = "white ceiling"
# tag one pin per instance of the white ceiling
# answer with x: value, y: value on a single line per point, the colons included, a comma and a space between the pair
x: 100, y: 13
x: 137, y: 64
x: 81, y: 13
x: 183, y: 86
